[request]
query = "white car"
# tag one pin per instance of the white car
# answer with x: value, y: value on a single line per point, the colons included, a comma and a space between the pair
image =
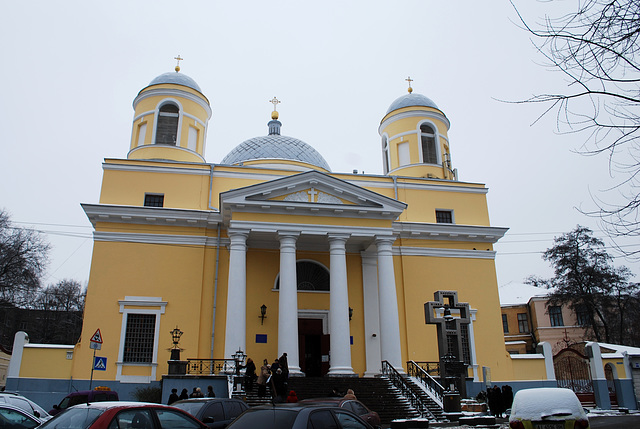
x: 26, y: 404
x: 547, y: 408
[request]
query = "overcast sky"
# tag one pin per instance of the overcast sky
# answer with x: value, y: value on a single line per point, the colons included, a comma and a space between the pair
x: 72, y: 69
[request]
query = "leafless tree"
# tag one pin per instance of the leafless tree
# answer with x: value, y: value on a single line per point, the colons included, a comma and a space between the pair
x: 23, y: 259
x: 596, y: 48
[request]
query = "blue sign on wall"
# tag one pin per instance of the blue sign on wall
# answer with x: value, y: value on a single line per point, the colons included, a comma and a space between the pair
x: 261, y: 338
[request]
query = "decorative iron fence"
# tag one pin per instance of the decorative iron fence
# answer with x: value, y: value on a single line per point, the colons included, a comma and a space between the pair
x: 399, y: 381
x: 211, y: 366
x: 420, y: 370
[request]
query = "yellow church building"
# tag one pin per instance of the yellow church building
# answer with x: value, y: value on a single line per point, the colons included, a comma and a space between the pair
x: 269, y: 251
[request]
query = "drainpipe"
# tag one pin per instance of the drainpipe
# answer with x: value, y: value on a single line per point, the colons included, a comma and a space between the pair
x: 215, y: 279
x: 395, y: 186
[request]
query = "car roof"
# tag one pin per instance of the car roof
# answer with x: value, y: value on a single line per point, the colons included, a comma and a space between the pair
x: 119, y: 404
x: 193, y: 400
x: 20, y: 410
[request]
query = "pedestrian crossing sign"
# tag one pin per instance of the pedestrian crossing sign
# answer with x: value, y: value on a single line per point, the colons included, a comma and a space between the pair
x: 100, y: 363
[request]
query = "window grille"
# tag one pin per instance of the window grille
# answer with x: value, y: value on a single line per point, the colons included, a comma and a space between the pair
x: 429, y: 154
x: 139, y: 338
x: 444, y: 216
x: 153, y: 200
x: 310, y: 276
x: 167, y: 129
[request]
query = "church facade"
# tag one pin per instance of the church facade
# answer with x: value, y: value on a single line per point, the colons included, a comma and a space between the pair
x: 268, y: 251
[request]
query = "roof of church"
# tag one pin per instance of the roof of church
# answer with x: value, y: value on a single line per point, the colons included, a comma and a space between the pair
x: 176, y: 79
x: 411, y: 99
x: 275, y: 147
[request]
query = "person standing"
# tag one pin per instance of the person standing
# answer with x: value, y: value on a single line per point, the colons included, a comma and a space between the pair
x: 262, y: 379
x: 249, y: 375
x: 210, y: 392
x: 173, y: 397
x: 284, y: 366
x: 184, y: 394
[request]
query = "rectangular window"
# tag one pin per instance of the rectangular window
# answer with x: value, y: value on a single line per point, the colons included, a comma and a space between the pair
x: 444, y: 216
x: 192, y: 143
x: 404, y: 157
x: 555, y: 315
x: 505, y: 324
x: 153, y: 200
x: 523, y: 323
x: 142, y: 133
x: 139, y: 338
x: 582, y: 316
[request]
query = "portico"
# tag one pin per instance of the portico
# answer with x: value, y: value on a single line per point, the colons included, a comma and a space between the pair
x: 336, y: 240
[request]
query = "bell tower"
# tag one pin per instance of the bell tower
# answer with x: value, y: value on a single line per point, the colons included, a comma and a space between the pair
x: 170, y: 120
x: 414, y: 139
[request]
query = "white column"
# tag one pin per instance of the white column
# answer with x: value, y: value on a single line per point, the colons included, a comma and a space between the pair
x: 236, y: 326
x: 389, y: 321
x: 340, y: 340
x: 288, y: 302
x: 371, y: 314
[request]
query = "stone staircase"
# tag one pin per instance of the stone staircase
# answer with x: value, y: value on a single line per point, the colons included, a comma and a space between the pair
x: 376, y: 393
x: 433, y: 407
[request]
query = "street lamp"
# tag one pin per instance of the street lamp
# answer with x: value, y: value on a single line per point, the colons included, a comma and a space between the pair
x: 238, y: 357
x: 175, y: 336
x: 263, y: 313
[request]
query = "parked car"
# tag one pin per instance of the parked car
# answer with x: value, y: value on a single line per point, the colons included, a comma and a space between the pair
x: 130, y: 415
x: 99, y: 394
x: 214, y: 412
x: 356, y: 406
x: 547, y: 408
x: 26, y: 404
x: 298, y: 416
x: 16, y: 418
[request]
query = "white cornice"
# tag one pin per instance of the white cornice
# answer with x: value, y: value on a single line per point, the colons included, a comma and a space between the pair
x: 158, y: 168
x: 170, y: 92
x: 170, y: 147
x: 158, y: 216
x: 443, y: 253
x: 449, y: 232
x: 412, y: 114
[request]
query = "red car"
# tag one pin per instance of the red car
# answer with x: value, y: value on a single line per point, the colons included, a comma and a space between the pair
x: 123, y: 415
x: 356, y: 407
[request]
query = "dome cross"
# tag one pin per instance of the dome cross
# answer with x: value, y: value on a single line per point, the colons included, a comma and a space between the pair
x: 178, y: 58
x: 275, y: 102
x: 408, y: 79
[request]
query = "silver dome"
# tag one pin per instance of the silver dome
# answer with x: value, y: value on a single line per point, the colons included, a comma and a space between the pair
x: 176, y: 79
x: 411, y: 99
x: 275, y: 146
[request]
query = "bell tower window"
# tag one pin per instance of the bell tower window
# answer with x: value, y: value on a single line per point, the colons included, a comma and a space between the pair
x: 167, y: 128
x: 428, y: 137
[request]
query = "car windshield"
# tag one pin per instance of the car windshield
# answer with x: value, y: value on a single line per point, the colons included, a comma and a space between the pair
x: 73, y: 418
x: 190, y: 407
x: 265, y: 419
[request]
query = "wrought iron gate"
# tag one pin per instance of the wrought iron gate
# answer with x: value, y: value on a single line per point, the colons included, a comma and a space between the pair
x: 572, y: 371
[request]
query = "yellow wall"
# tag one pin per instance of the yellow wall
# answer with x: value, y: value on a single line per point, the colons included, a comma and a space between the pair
x: 47, y: 362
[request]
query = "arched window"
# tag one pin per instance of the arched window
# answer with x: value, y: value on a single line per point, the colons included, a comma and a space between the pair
x: 310, y: 276
x: 428, y: 136
x: 167, y: 128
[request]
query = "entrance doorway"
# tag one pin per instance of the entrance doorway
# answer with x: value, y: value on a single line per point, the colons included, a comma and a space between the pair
x: 313, y: 348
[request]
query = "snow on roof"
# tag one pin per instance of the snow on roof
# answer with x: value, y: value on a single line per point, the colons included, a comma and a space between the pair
x: 618, y: 350
x: 518, y: 293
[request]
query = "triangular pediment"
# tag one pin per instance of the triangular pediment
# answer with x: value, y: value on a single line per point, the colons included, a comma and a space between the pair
x: 311, y: 192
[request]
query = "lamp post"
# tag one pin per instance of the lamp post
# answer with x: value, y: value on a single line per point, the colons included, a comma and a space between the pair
x: 175, y: 349
x: 238, y: 357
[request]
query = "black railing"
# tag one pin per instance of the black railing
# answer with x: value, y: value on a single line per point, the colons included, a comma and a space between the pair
x: 211, y: 366
x: 399, y: 381
x: 420, y: 370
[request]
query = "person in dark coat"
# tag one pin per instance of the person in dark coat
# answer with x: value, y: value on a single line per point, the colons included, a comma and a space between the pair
x: 278, y: 389
x: 173, y: 397
x: 494, y: 395
x: 184, y: 394
x: 284, y: 366
x: 507, y: 396
x: 210, y: 392
x: 249, y: 375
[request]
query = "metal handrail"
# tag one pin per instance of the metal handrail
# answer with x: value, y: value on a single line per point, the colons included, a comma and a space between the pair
x: 417, y: 369
x: 400, y: 383
x: 211, y: 366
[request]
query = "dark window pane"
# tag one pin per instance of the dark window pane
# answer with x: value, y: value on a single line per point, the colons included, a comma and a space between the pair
x: 555, y: 316
x: 444, y: 216
x: 505, y: 324
x: 167, y: 129
x: 523, y: 323
x: 153, y: 200
x: 322, y: 420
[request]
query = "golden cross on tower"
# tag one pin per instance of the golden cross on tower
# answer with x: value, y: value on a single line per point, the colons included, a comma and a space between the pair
x: 408, y: 79
x: 275, y: 102
x: 178, y: 58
